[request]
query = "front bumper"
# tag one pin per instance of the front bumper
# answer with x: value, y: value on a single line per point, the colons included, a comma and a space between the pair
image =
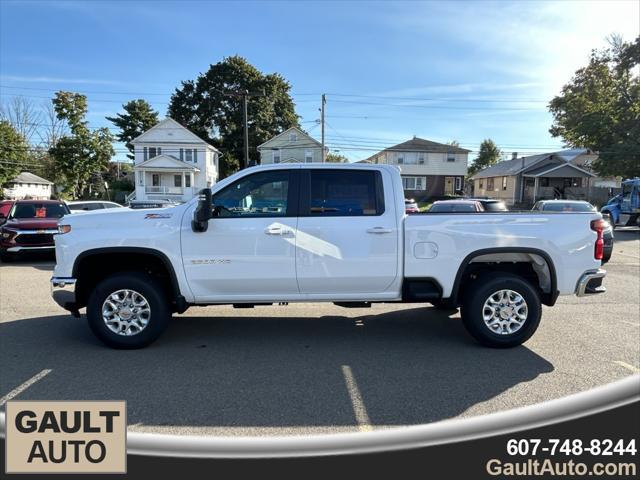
x: 63, y: 291
x: 591, y: 283
x: 30, y: 249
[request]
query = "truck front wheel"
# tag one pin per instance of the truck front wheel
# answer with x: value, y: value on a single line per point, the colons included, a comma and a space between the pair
x: 128, y: 310
x: 501, y: 311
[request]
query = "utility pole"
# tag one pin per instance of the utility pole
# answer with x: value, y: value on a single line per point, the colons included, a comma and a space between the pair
x: 324, y: 100
x: 245, y: 94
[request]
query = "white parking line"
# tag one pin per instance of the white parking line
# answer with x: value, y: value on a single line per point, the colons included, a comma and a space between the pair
x: 362, y: 417
x: 627, y: 366
x: 21, y: 388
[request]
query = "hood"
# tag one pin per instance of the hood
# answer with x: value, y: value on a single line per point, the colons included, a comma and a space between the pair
x: 32, y: 223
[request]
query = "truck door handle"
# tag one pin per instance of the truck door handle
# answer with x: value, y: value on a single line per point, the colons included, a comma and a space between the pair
x: 277, y: 231
x: 379, y: 230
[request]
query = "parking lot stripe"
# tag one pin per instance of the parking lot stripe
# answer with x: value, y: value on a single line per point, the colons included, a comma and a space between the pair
x: 21, y: 388
x: 627, y: 366
x: 359, y: 410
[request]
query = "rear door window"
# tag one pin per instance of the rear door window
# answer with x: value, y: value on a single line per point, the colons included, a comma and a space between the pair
x: 345, y: 192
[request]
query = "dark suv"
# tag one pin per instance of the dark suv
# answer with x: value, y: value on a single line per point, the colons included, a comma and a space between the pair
x: 30, y: 226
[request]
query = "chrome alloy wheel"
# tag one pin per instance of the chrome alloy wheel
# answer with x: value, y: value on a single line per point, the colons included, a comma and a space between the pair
x: 505, y: 312
x: 126, y: 312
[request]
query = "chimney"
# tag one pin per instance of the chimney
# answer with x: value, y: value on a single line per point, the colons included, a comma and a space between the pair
x: 514, y: 155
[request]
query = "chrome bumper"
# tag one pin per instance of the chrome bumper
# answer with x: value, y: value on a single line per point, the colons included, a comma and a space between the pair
x: 591, y: 283
x: 63, y: 291
x: 21, y: 249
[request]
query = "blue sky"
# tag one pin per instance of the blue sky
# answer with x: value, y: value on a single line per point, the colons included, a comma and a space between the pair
x: 439, y: 70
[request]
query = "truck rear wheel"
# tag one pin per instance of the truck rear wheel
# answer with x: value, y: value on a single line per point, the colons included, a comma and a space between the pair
x: 502, y: 311
x: 128, y: 310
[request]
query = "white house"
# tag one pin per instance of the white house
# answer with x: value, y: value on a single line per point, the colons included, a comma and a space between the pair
x: 428, y: 169
x: 27, y: 185
x: 292, y: 145
x: 172, y: 162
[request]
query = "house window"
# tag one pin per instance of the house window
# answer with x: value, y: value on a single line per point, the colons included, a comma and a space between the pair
x: 544, y: 181
x: 276, y: 155
x: 177, y: 180
x: 308, y: 156
x: 155, y: 180
x: 154, y: 151
x: 188, y: 155
x: 451, y: 157
x: 490, y: 184
x: 504, y: 183
x: 187, y: 181
x: 458, y: 183
x: 481, y: 184
x: 421, y: 159
x: 195, y: 155
x: 293, y: 137
x: 400, y: 160
x: 414, y: 183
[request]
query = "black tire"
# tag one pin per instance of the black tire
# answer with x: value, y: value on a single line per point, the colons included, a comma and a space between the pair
x: 145, y: 285
x: 6, y: 257
x: 473, y: 310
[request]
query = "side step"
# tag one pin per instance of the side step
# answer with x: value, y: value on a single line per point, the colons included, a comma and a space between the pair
x: 250, y: 305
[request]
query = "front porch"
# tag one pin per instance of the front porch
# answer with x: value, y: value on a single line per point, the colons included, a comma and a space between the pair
x: 565, y: 181
x: 165, y: 178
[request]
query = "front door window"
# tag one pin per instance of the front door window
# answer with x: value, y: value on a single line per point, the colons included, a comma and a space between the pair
x: 155, y: 180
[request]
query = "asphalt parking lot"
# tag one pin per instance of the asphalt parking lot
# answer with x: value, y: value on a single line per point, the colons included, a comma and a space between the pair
x: 315, y: 368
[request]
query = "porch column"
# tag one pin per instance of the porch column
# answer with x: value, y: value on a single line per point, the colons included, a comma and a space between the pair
x: 183, y: 187
x: 535, y: 189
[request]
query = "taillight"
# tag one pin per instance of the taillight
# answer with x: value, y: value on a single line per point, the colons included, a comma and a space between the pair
x: 598, y: 226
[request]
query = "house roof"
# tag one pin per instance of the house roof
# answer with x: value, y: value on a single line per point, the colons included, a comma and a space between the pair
x: 28, y: 177
x: 518, y: 165
x: 170, y: 124
x: 168, y: 162
x: 557, y: 170
x: 297, y: 130
x: 421, y: 145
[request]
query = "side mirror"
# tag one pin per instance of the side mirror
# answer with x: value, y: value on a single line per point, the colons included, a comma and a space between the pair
x: 203, y: 212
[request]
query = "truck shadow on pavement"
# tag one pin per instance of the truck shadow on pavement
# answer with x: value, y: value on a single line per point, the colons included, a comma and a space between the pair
x: 410, y: 366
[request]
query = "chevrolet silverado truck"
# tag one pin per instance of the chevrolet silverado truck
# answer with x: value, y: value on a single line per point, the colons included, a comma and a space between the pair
x: 320, y: 233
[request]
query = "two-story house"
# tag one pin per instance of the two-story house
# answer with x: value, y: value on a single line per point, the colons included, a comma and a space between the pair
x: 292, y: 145
x: 428, y: 169
x: 171, y: 162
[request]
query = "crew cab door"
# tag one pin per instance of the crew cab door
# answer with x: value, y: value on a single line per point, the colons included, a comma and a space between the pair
x: 248, y: 250
x: 347, y: 239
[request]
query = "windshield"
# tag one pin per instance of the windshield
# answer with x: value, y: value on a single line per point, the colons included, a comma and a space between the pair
x: 39, y: 210
x: 568, y: 207
x: 495, y: 206
x: 453, y: 208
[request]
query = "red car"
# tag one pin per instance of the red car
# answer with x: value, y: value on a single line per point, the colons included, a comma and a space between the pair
x: 30, y: 226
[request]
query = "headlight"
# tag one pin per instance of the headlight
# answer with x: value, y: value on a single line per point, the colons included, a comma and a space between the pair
x: 64, y: 229
x: 6, y: 233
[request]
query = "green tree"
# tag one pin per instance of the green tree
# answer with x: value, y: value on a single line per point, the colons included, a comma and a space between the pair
x: 488, y: 155
x: 14, y: 152
x: 210, y: 107
x: 82, y: 154
x: 336, y: 158
x: 138, y: 117
x: 600, y: 109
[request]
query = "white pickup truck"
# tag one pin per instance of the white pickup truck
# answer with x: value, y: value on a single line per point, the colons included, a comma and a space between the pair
x: 320, y: 233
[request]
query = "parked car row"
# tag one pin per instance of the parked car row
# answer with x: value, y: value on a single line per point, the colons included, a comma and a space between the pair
x: 29, y: 225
